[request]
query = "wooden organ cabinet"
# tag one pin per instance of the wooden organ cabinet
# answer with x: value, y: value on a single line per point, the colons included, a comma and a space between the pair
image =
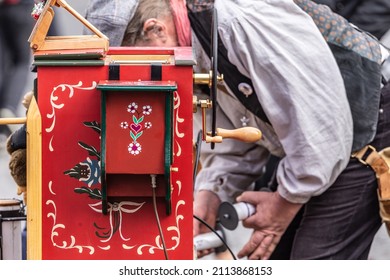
x: 112, y: 129
x: 110, y: 147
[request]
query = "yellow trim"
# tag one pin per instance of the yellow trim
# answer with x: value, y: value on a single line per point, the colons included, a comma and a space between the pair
x: 40, y: 41
x: 34, y: 182
x: 4, y: 121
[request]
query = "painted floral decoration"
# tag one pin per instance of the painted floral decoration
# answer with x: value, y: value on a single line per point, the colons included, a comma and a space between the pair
x: 137, y: 126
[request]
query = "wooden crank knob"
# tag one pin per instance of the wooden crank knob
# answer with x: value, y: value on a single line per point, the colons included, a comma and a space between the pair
x: 244, y: 134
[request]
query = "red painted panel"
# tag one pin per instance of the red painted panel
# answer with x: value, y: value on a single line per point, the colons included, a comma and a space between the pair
x: 73, y: 225
x: 135, y: 126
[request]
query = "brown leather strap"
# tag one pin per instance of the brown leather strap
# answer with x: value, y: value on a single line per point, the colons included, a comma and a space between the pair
x: 369, y: 156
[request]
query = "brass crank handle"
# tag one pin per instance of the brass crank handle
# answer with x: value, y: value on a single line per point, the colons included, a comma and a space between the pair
x: 244, y: 134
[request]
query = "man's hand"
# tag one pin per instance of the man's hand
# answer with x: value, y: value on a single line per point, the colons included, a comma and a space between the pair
x: 272, y: 217
x: 206, y: 205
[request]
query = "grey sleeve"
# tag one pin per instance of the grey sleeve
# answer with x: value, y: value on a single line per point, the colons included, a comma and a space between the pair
x: 232, y: 167
x: 110, y: 17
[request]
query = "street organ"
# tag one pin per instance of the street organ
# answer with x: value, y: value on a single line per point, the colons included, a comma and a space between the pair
x: 110, y: 147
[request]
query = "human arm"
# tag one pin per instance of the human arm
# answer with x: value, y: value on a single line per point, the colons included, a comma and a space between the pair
x: 206, y: 205
x: 300, y: 88
x: 227, y: 170
x: 272, y: 217
x: 232, y: 166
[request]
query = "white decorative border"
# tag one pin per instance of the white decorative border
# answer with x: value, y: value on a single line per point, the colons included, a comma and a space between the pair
x: 58, y: 106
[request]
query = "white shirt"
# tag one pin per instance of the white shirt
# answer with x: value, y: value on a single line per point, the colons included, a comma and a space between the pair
x: 298, y: 83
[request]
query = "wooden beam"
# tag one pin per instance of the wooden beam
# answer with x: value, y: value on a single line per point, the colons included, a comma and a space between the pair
x: 5, y: 121
x: 34, y: 182
x: 40, y: 41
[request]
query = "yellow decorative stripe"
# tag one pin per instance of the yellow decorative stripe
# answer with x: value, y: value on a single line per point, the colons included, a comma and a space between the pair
x: 34, y: 182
